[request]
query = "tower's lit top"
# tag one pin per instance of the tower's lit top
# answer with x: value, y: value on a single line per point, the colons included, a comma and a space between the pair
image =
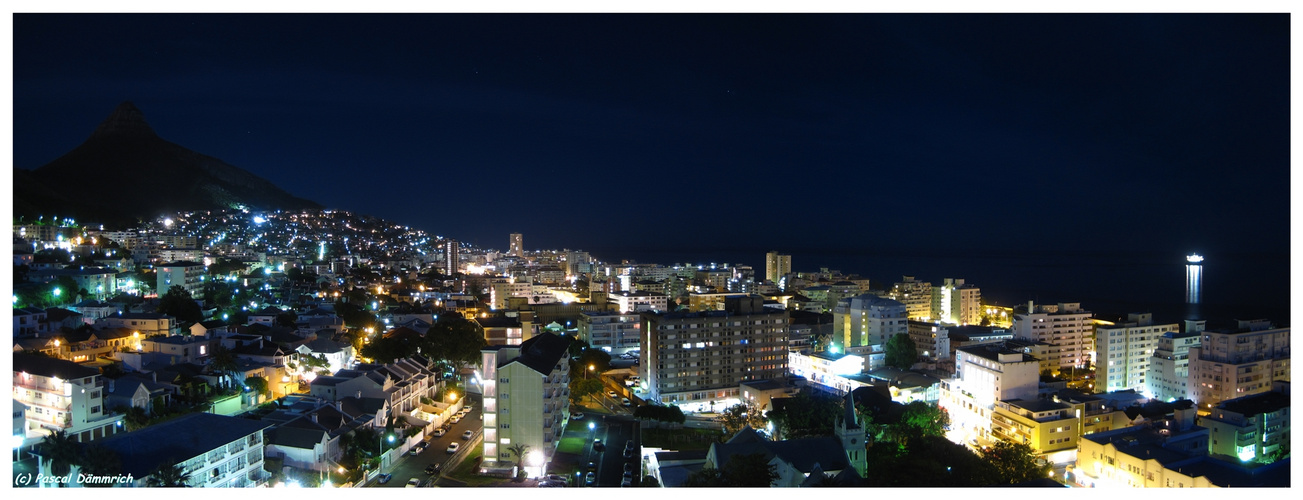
x: 1194, y: 258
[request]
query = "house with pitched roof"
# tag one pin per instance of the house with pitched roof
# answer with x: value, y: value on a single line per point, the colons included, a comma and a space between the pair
x: 217, y: 451
x: 806, y: 461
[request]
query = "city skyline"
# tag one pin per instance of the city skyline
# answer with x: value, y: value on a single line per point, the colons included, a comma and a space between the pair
x: 852, y: 133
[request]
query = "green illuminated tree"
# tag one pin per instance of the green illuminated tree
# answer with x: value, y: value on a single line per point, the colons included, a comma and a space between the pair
x: 901, y: 352
x: 735, y: 417
x: 1015, y: 463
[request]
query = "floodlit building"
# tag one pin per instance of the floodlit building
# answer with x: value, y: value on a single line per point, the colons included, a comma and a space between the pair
x: 451, y: 257
x: 1251, y: 427
x: 627, y: 302
x: 516, y: 245
x: 916, y: 295
x: 186, y: 274
x: 1065, y: 326
x: 867, y: 320
x: 217, y: 451
x: 1123, y: 351
x: 1169, y: 367
x: 61, y: 396
x: 526, y: 401
x: 697, y: 359
x: 985, y: 375
x: 776, y: 266
x: 1236, y: 362
x: 613, y: 332
x: 957, y: 303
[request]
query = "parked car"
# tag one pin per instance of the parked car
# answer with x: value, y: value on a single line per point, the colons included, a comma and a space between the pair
x: 384, y: 478
x: 413, y: 482
x: 468, y: 408
x: 551, y: 484
x: 455, y: 419
x: 592, y: 466
x: 590, y: 479
x: 626, y: 482
x: 598, y: 445
x: 452, y: 448
x: 433, y: 469
x: 625, y: 402
x: 576, y: 416
x: 440, y: 432
x: 468, y: 434
x: 555, y: 477
x: 612, y: 394
x: 628, y: 453
x: 628, y: 466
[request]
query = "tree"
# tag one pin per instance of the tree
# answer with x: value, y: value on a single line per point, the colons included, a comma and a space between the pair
x: 100, y: 461
x: 599, y: 359
x: 135, y: 417
x: 287, y: 319
x: 900, y: 352
x: 807, y: 415
x: 388, y: 349
x: 1015, y: 463
x: 519, y: 450
x: 739, y: 415
x: 178, y: 304
x: 455, y: 339
x: 671, y: 414
x: 582, y: 387
x: 224, y: 362
x: 919, y: 419
x: 168, y: 474
x: 258, y: 385
x: 61, y: 451
x: 741, y: 471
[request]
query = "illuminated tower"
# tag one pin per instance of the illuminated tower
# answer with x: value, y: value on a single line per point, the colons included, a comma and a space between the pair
x: 451, y: 257
x: 1193, y: 284
x: 777, y: 266
x: 517, y: 247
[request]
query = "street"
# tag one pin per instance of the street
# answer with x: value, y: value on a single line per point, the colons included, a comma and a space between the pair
x: 408, y: 467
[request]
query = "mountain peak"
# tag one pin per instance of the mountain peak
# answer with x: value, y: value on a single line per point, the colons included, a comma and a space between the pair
x: 126, y: 120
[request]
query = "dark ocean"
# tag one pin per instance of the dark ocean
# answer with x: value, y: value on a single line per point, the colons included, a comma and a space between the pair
x: 1235, y: 286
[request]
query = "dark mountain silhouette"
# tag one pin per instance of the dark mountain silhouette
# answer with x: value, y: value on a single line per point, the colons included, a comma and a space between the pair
x: 125, y: 172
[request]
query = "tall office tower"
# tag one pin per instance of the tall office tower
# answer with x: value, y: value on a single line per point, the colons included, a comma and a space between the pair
x: 517, y: 247
x: 916, y: 295
x: 1193, y: 284
x: 1066, y: 327
x: 777, y: 266
x: 451, y: 257
x: 867, y: 320
x: 697, y: 360
x: 957, y: 303
x: 1236, y: 362
x: 1124, y: 351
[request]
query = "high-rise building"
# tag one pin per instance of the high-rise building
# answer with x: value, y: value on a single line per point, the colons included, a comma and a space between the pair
x: 916, y: 295
x: 1065, y: 327
x: 516, y: 245
x: 1236, y: 362
x: 957, y: 303
x: 186, y: 274
x: 1193, y: 284
x: 698, y: 359
x: 866, y: 320
x: 777, y: 266
x: 451, y: 257
x: 1123, y: 351
x: 1169, y: 367
x: 525, y: 401
x: 985, y: 375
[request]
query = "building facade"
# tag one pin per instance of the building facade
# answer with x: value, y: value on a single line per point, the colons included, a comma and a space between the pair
x: 1066, y: 327
x: 866, y: 320
x: 698, y: 359
x: 186, y: 274
x: 1123, y: 351
x: 1236, y: 362
x: 61, y: 396
x: 610, y: 331
x: 776, y: 266
x: 916, y: 295
x: 1251, y: 427
x: 1169, y: 367
x: 526, y: 401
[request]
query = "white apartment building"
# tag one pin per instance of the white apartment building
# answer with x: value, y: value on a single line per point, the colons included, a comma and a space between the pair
x: 1065, y: 327
x: 698, y: 359
x: 185, y: 274
x: 526, y: 401
x: 1236, y: 362
x: 985, y: 375
x: 1123, y: 351
x: 503, y: 289
x: 957, y: 303
x: 865, y: 320
x: 1169, y: 367
x: 148, y: 324
x: 61, y: 396
x: 916, y: 295
x: 630, y: 302
x: 218, y: 451
x: 610, y: 331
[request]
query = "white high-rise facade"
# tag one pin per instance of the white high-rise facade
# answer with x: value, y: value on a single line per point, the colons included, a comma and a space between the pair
x: 1237, y: 362
x: 866, y: 320
x: 777, y: 266
x: 1123, y: 351
x: 957, y: 303
x: 1065, y: 327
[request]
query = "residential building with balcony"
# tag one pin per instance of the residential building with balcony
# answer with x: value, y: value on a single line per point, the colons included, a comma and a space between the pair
x: 217, y: 451
x: 1123, y: 351
x: 866, y: 320
x: 611, y: 331
x: 1065, y: 327
x: 632, y: 302
x: 697, y: 359
x: 956, y: 302
x: 1236, y: 362
x: 62, y: 396
x: 526, y: 401
x: 1251, y: 427
x: 986, y: 375
x: 148, y: 324
x: 916, y: 295
x: 186, y: 274
x: 1168, y: 375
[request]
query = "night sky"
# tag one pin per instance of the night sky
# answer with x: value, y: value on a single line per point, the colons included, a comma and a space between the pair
x: 713, y: 132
